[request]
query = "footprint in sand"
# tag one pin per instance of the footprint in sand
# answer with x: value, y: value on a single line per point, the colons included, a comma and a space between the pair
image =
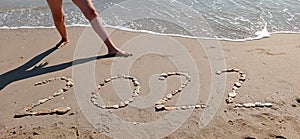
x: 265, y: 52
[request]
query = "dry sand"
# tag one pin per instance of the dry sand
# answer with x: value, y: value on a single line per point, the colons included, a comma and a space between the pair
x: 272, y: 66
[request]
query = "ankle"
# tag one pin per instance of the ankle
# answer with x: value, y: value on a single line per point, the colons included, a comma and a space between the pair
x: 113, y: 50
x: 64, y: 40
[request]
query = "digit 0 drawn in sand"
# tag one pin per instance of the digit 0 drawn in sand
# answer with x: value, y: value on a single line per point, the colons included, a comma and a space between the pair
x: 122, y: 104
x: 27, y: 110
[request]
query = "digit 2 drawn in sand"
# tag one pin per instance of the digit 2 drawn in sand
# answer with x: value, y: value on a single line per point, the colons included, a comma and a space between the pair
x: 27, y: 111
x: 236, y: 86
x: 160, y: 104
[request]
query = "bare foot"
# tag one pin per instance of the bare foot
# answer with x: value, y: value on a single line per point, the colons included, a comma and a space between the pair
x: 118, y: 53
x: 62, y: 43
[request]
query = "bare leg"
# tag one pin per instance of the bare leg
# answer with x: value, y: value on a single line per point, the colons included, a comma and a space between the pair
x: 58, y: 17
x: 91, y: 14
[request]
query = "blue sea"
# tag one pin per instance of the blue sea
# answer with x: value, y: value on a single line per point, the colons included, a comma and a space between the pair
x: 235, y: 20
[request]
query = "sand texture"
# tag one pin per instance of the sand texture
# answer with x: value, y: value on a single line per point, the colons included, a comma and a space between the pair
x: 28, y: 56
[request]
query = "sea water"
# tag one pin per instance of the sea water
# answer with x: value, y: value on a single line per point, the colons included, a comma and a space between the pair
x: 235, y: 20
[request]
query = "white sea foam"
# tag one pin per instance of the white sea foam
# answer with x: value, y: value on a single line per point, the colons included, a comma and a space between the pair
x: 261, y: 34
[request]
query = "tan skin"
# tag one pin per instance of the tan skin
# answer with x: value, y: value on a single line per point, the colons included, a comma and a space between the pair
x: 90, y: 13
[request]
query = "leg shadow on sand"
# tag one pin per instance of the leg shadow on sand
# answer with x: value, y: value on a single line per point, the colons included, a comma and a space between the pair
x: 24, y: 71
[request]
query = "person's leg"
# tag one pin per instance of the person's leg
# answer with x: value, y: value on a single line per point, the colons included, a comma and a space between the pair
x: 58, y: 17
x: 91, y: 14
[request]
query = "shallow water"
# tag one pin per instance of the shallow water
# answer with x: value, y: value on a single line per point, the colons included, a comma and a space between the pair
x: 228, y: 20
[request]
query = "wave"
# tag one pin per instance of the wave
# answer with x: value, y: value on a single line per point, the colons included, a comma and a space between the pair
x: 259, y: 35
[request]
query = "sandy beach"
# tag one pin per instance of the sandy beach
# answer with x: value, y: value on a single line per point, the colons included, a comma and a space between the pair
x: 271, y: 65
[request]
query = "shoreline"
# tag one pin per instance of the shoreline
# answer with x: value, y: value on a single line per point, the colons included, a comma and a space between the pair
x: 271, y: 64
x: 155, y: 33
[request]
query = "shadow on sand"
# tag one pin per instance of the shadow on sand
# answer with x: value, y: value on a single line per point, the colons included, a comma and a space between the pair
x: 23, y: 72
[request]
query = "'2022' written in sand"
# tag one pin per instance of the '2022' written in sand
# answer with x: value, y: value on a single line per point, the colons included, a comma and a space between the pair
x: 160, y: 105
